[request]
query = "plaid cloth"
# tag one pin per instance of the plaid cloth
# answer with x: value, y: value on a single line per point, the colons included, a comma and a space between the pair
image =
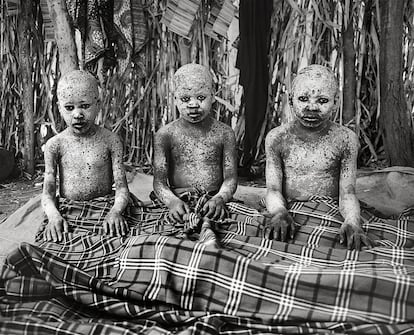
x: 155, y: 283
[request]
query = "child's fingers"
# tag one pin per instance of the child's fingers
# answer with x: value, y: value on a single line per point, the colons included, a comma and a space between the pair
x: 176, y: 217
x: 124, y: 227
x: 357, y: 243
x: 112, y: 229
x: 350, y: 240
x: 105, y: 227
x: 368, y: 242
x: 293, y: 227
x: 65, y: 226
x: 223, y: 213
x: 276, y: 233
x: 267, y: 232
x: 186, y: 208
x: 59, y: 234
x: 283, y: 232
x: 218, y: 212
x: 211, y: 212
x: 53, y: 233
x: 47, y: 236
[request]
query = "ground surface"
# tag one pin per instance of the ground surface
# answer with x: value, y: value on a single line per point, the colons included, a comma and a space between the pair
x: 16, y: 192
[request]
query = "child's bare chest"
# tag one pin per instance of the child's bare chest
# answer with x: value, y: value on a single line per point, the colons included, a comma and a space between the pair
x: 312, y: 158
x: 200, y: 149
x: 86, y: 155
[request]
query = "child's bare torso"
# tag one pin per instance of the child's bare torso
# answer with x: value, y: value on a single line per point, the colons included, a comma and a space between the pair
x: 312, y: 165
x: 85, y: 166
x: 196, y: 157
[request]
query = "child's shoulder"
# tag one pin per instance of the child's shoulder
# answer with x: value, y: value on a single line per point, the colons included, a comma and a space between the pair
x: 108, y: 137
x: 279, y: 131
x: 343, y: 133
x: 56, y: 141
x: 168, y: 128
x: 221, y: 126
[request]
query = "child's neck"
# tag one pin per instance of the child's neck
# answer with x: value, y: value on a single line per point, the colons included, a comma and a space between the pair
x: 309, y: 133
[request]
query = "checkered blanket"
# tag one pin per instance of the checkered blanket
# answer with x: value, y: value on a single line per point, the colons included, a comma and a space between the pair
x: 159, y: 281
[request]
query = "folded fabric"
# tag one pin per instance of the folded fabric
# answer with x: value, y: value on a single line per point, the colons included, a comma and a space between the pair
x: 159, y: 283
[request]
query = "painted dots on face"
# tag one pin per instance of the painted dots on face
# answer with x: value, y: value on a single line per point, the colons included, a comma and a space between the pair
x: 325, y: 78
x: 78, y: 97
x: 192, y: 78
x: 193, y: 93
x: 314, y: 94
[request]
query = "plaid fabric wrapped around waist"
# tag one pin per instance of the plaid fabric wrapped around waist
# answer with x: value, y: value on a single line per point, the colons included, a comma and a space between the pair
x: 152, y: 217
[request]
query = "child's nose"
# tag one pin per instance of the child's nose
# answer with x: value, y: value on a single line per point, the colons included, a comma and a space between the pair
x: 193, y: 103
x: 78, y: 113
x: 313, y: 104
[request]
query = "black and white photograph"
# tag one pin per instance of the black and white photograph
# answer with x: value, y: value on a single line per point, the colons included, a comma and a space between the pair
x: 206, y: 167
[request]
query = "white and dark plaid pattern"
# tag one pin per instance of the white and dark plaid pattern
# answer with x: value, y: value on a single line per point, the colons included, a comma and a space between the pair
x: 161, y: 284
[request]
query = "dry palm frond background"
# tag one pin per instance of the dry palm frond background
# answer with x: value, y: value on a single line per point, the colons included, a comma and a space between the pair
x: 138, y: 101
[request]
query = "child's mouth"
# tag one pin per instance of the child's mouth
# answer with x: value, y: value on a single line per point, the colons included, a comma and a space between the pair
x: 78, y: 125
x: 194, y: 115
x: 311, y: 119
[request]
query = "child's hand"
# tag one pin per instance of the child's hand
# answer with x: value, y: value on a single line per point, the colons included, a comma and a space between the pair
x: 177, y: 210
x: 354, y: 236
x: 281, y: 224
x: 215, y: 208
x: 115, y: 224
x: 54, y: 228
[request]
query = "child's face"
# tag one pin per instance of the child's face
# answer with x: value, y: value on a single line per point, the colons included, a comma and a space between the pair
x: 313, y: 100
x: 194, y: 104
x: 78, y: 108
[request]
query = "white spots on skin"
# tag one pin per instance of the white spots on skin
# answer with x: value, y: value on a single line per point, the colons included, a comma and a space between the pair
x: 193, y: 94
x: 78, y: 83
x: 196, y: 156
x: 84, y: 152
x: 78, y: 98
x: 85, y: 163
x: 194, y: 150
x: 315, y: 153
x: 312, y: 166
x: 191, y: 78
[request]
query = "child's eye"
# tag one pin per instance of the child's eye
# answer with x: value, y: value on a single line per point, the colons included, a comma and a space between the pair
x: 185, y: 99
x: 201, y: 97
x: 323, y: 100
x: 303, y: 98
x: 85, y: 106
x: 69, y: 108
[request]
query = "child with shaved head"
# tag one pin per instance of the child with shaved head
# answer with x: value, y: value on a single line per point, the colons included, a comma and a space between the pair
x: 85, y: 159
x: 195, y: 151
x: 313, y: 156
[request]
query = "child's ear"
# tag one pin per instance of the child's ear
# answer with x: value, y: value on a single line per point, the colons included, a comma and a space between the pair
x: 336, y: 100
x: 290, y: 99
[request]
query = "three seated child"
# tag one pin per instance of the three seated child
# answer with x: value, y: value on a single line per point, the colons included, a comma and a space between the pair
x: 86, y: 159
x: 195, y: 151
x: 312, y: 155
x: 309, y: 156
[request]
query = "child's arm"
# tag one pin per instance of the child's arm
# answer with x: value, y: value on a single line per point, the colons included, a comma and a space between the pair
x: 280, y: 220
x: 115, y: 223
x: 176, y: 206
x: 56, y: 224
x: 215, y: 207
x: 351, y: 230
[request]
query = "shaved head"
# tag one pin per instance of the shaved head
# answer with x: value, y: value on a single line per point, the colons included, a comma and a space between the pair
x: 317, y: 72
x: 76, y: 83
x: 192, y: 77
